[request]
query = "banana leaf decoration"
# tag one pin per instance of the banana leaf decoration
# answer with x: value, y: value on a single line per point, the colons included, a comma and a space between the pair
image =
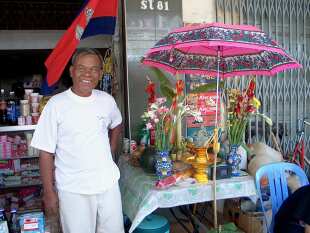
x: 165, y: 86
x: 168, y: 90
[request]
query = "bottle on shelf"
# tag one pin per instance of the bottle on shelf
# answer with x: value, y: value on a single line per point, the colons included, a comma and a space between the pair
x: 3, y: 219
x: 12, y: 109
x: 14, y: 224
x: 3, y: 215
x: 3, y: 106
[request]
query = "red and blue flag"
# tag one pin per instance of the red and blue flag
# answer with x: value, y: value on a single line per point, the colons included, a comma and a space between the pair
x: 96, y: 17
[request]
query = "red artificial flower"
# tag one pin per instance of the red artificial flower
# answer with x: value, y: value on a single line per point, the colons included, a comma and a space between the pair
x: 250, y: 94
x: 238, y: 109
x: 251, y: 89
x: 240, y: 98
x: 174, y: 103
x: 180, y: 87
x: 250, y: 109
x: 150, y: 90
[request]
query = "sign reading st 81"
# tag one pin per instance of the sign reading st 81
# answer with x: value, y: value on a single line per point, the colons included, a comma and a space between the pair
x: 154, y: 5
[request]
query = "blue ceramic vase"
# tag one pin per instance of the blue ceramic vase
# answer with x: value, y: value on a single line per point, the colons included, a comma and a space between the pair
x: 234, y: 160
x: 163, y: 164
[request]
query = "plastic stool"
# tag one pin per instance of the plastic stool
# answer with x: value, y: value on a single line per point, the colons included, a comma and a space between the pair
x: 153, y: 224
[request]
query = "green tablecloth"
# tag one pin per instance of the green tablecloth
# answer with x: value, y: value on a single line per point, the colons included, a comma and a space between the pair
x: 140, y: 198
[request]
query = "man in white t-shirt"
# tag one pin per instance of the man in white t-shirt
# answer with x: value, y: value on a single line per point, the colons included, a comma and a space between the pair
x: 77, y: 133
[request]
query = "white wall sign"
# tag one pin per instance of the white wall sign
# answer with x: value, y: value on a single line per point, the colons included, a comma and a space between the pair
x: 154, y: 5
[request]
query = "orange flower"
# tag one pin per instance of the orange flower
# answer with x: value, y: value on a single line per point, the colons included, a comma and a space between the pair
x: 251, y: 89
x: 180, y: 87
x: 242, y: 107
x: 150, y: 90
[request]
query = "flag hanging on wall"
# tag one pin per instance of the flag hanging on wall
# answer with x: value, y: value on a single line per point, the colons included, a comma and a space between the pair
x: 96, y: 17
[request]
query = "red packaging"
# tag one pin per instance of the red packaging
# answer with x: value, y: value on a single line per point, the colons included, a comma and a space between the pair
x: 166, y: 182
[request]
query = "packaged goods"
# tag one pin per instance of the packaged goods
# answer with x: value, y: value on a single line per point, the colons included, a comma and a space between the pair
x: 24, y: 108
x: 28, y: 93
x: 28, y: 120
x: 34, y: 97
x: 35, y: 117
x: 43, y: 102
x: 14, y: 224
x: 32, y: 223
x: 35, y: 107
x: 21, y: 120
x: 4, y: 227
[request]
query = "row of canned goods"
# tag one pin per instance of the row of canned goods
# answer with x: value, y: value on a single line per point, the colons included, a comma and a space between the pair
x: 28, y: 120
x: 14, y: 111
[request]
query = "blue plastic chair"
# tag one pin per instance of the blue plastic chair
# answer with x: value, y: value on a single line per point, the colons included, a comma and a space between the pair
x: 277, y: 174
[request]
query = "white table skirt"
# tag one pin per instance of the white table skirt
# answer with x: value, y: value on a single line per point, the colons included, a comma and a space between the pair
x: 140, y: 198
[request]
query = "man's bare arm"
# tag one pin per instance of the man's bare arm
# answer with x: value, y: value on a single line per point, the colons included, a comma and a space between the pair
x: 50, y: 198
x: 114, y: 137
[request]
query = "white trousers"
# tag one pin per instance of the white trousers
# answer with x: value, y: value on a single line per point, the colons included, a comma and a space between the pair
x: 98, y: 213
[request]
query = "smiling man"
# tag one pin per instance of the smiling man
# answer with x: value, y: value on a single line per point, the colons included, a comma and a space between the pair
x: 73, y: 136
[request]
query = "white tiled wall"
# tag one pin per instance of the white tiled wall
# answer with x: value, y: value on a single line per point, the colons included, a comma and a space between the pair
x: 198, y: 11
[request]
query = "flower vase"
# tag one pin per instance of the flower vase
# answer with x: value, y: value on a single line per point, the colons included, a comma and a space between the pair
x: 234, y: 160
x: 244, y: 158
x: 163, y: 164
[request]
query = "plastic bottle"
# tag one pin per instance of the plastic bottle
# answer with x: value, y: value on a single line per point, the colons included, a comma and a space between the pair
x: 3, y: 215
x: 14, y: 224
x: 4, y: 221
x: 11, y: 109
x: 3, y: 105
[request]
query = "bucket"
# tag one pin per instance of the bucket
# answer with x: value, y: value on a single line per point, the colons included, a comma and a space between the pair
x: 153, y: 224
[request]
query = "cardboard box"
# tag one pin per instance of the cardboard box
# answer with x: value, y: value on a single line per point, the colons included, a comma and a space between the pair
x: 248, y: 221
x: 252, y: 222
x: 232, y: 210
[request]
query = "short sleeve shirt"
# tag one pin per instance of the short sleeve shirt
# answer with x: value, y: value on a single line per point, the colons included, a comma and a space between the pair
x: 75, y: 129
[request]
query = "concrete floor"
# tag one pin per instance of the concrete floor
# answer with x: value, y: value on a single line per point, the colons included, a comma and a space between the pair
x: 203, y: 225
x: 176, y: 227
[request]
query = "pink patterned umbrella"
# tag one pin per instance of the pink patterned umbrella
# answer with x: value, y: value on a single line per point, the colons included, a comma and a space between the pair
x: 219, y: 49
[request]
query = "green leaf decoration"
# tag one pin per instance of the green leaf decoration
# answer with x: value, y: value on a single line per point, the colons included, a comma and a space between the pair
x: 207, y: 87
x: 162, y: 78
x: 226, y: 228
x: 167, y: 92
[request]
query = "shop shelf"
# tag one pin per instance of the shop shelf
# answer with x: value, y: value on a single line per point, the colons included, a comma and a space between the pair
x: 28, y: 180
x: 30, y: 169
x: 29, y: 210
x: 21, y: 157
x: 18, y: 186
x: 17, y: 128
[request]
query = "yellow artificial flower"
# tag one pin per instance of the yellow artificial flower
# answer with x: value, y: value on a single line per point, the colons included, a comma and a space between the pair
x: 256, y: 103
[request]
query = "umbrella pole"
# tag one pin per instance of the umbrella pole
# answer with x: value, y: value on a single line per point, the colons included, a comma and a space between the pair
x: 216, y: 145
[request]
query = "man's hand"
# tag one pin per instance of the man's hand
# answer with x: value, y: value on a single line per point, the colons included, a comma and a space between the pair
x: 50, y: 200
x: 307, y: 228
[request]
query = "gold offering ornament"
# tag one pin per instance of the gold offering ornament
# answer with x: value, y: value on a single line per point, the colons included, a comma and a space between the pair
x: 200, y: 162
